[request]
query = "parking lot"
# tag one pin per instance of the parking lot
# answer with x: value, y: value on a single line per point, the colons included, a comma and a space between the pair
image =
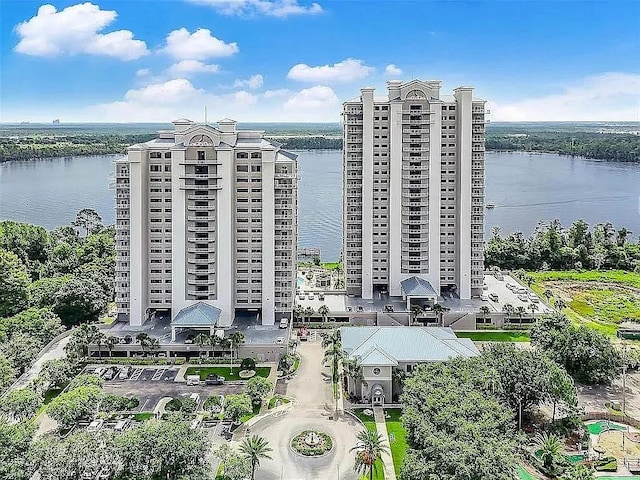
x: 151, y: 384
x: 507, y: 296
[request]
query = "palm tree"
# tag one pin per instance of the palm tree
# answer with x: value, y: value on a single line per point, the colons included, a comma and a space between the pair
x: 508, y: 309
x: 549, y: 447
x: 520, y: 310
x: 369, y: 449
x: 485, y: 311
x: 353, y: 370
x: 99, y: 340
x: 255, y: 448
x: 323, y: 310
x: 309, y: 311
x: 560, y: 304
x: 332, y: 354
x: 154, y: 345
x: 111, y: 342
x: 533, y: 307
x: 236, y: 338
x: 201, y: 340
x: 439, y: 311
x: 548, y: 294
x: 416, y: 311
x: 143, y: 339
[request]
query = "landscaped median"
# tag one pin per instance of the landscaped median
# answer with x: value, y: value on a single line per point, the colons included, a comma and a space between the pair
x: 230, y: 374
x: 370, y: 424
x: 496, y: 335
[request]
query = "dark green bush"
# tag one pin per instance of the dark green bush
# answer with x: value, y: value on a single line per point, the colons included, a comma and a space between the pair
x: 248, y: 364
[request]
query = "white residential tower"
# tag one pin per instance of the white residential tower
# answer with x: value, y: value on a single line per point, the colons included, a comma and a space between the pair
x: 206, y: 214
x: 413, y: 174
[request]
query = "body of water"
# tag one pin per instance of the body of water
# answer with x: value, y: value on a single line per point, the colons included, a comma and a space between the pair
x: 524, y: 187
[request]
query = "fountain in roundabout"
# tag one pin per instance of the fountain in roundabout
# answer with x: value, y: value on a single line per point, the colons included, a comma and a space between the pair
x: 312, y: 443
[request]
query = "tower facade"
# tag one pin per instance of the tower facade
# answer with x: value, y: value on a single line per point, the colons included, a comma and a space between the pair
x: 413, y: 173
x: 206, y: 214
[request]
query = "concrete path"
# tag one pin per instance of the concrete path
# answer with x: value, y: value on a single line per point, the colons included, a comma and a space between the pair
x: 387, y: 460
x: 52, y: 351
x: 314, y: 409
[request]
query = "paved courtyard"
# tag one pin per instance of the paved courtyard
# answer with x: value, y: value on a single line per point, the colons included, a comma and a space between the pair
x: 311, y: 388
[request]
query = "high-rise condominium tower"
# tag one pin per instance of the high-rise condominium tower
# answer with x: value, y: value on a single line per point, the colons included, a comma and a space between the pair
x: 414, y: 190
x: 206, y: 214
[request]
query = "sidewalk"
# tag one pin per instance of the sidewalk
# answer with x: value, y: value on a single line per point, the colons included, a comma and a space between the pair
x: 381, y: 426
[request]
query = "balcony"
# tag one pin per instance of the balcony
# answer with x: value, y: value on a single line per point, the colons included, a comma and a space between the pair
x: 420, y: 231
x: 284, y: 196
x: 122, y: 268
x: 191, y: 281
x: 415, y: 149
x: 122, y: 235
x: 201, y: 240
x: 352, y: 149
x: 120, y: 289
x: 354, y: 121
x: 415, y: 195
x: 193, y: 271
x: 477, y: 148
x: 201, y: 250
x: 406, y: 249
x: 284, y: 175
x: 192, y: 218
x: 200, y: 176
x: 195, y: 161
x: 191, y: 228
x: 201, y: 197
x: 417, y: 158
x: 207, y: 293
x: 201, y: 261
x: 201, y: 208
x: 121, y: 247
x: 416, y: 176
x: 123, y: 216
x: 421, y: 258
x: 200, y: 187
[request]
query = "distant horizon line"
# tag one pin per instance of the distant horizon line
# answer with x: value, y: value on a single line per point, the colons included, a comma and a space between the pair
x: 296, y: 122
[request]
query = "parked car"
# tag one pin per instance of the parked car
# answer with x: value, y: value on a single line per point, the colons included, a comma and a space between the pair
x: 534, y: 299
x: 388, y: 308
x: 360, y: 308
x: 214, y: 379
x: 510, y: 286
x: 284, y: 323
x: 311, y: 296
x: 484, y: 298
x: 522, y: 291
x: 189, y: 339
x: 523, y: 298
x: 193, y: 379
x: 122, y: 425
x: 124, y: 373
x: 321, y: 297
x: 493, y: 297
x: 110, y: 373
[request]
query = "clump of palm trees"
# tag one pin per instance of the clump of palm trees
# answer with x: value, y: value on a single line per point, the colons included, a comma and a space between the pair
x: 369, y: 450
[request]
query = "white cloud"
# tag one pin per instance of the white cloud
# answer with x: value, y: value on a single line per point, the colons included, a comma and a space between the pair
x: 253, y: 82
x: 318, y: 96
x: 272, y: 8
x: 187, y: 67
x: 392, y: 70
x: 345, y: 71
x: 143, y: 72
x: 606, y: 97
x: 75, y: 30
x: 278, y: 93
x: 166, y: 100
x: 198, y: 45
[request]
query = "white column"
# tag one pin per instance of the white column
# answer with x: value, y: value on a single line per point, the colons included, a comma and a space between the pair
x: 178, y: 234
x: 395, y: 198
x: 367, y: 192
x: 435, y: 153
x: 463, y: 96
x: 225, y: 238
x: 268, y: 241
x: 138, y: 256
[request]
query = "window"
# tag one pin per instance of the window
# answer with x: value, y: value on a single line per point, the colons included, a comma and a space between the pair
x: 155, y: 155
x: 167, y: 154
x: 200, y: 154
x: 376, y: 371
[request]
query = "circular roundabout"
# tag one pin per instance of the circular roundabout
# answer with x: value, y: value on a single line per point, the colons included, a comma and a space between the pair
x: 312, y: 443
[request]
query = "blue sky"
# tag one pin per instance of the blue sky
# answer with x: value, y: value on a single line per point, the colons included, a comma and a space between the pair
x: 297, y: 60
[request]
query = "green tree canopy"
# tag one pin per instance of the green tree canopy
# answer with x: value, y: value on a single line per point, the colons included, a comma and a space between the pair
x: 14, y: 284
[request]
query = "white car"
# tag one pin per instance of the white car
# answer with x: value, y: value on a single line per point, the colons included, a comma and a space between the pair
x: 523, y: 298
x: 95, y: 425
x: 484, y: 297
x: 284, y: 323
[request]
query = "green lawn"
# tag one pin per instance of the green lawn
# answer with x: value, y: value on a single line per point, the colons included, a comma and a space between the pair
x: 282, y: 400
x: 370, y: 424
x: 496, y: 336
x: 143, y: 416
x: 397, y: 437
x: 599, y: 307
x: 225, y: 372
x: 524, y: 474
